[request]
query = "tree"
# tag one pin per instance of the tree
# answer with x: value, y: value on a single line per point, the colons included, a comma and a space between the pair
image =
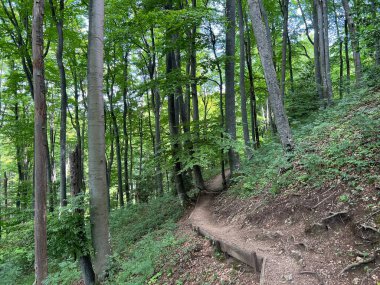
x: 96, y: 140
x: 58, y: 20
x: 40, y: 143
x: 243, y: 96
x: 354, y: 42
x: 230, y: 81
x: 265, y: 49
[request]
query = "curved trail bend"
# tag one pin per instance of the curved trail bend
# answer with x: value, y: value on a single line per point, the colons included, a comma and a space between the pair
x: 277, y: 267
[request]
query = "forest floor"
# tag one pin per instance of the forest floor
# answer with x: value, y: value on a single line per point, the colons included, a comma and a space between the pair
x: 326, y: 233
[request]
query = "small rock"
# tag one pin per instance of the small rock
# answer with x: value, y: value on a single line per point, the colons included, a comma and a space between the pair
x: 296, y: 255
x: 356, y: 281
x: 359, y: 259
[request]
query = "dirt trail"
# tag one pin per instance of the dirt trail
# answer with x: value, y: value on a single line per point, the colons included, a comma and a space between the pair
x: 278, y: 267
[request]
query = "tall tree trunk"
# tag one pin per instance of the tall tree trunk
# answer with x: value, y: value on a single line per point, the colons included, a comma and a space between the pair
x: 347, y: 56
x: 374, y: 7
x: 230, y: 82
x: 340, y: 52
x: 317, y: 56
x: 221, y: 107
x: 281, y: 119
x: 96, y: 140
x: 197, y: 172
x: 354, y: 42
x: 156, y: 102
x: 290, y: 60
x: 5, y: 185
x: 115, y: 127
x: 58, y: 19
x: 253, y: 104
x: 125, y: 133
x: 243, y: 96
x: 40, y: 143
x: 88, y: 274
x: 174, y: 131
x: 285, y: 13
x: 324, y: 53
x: 327, y: 52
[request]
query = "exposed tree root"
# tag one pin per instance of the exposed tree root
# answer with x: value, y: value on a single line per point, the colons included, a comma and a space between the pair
x: 357, y: 264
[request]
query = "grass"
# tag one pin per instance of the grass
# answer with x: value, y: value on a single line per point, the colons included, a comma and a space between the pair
x: 339, y: 143
x: 142, y: 236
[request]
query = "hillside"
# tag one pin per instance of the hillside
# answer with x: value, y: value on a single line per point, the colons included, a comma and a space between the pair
x: 314, y: 216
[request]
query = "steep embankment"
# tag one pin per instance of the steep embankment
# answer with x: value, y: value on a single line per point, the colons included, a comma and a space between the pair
x: 313, y: 217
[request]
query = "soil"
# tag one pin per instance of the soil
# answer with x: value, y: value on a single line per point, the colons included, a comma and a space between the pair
x: 304, y: 239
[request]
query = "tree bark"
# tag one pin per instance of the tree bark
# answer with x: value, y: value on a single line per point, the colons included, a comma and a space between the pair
x: 230, y: 82
x: 115, y: 127
x: 156, y: 102
x: 285, y: 13
x: 340, y: 52
x: 40, y: 143
x: 5, y: 185
x: 347, y: 57
x: 58, y: 19
x: 324, y: 53
x: 253, y: 105
x: 317, y: 56
x: 88, y: 274
x: 174, y: 131
x: 197, y: 172
x: 96, y: 140
x: 327, y: 52
x: 354, y: 42
x: 281, y: 119
x: 243, y: 96
x: 221, y: 107
x: 374, y: 7
x: 125, y: 132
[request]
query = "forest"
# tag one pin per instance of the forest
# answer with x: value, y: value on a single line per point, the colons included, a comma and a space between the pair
x: 190, y: 142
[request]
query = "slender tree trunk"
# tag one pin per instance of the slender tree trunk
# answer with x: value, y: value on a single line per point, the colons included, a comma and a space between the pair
x: 340, y: 52
x: 88, y: 274
x: 281, y: 119
x: 230, y: 82
x: 374, y: 7
x: 317, y: 56
x: 40, y: 142
x: 116, y: 133
x: 347, y: 56
x: 221, y: 107
x: 131, y: 187
x: 305, y: 22
x: 243, y: 96
x: 354, y: 42
x: 285, y: 13
x: 58, y: 19
x: 327, y: 52
x: 290, y: 60
x: 197, y: 172
x: 5, y: 185
x: 253, y: 105
x: 324, y: 53
x: 96, y: 140
x: 125, y: 133
x: 174, y: 130
x: 156, y: 102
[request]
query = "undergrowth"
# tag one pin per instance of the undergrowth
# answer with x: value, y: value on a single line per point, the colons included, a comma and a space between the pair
x: 340, y: 143
x: 142, y: 235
